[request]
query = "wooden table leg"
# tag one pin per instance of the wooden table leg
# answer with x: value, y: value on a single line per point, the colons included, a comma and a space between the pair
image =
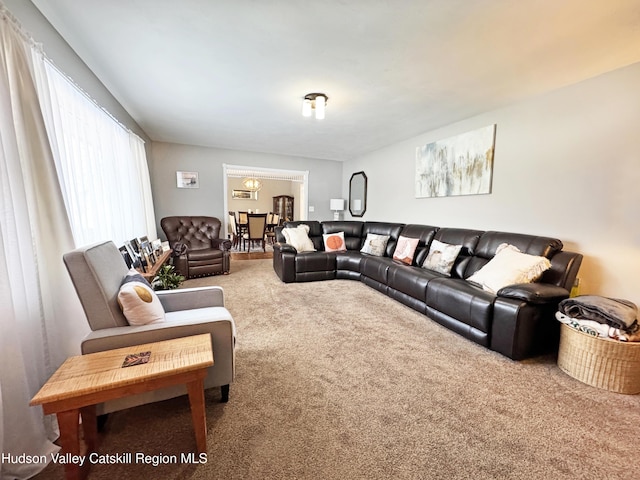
x: 90, y: 427
x: 68, y: 422
x: 198, y: 414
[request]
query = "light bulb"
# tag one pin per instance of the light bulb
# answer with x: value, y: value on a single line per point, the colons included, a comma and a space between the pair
x: 320, y: 104
x: 306, y: 107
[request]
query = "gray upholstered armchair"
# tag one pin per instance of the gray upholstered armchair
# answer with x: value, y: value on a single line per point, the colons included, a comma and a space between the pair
x: 97, y: 272
x: 197, y: 246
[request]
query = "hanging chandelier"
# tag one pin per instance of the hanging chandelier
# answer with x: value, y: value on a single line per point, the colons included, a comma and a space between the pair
x: 314, y: 102
x: 252, y: 184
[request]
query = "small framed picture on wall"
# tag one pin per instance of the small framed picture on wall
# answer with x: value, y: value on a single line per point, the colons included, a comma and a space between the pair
x: 187, y: 180
x: 244, y: 195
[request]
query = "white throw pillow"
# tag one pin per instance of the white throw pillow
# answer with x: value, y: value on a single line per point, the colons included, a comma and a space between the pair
x: 375, y: 244
x: 298, y: 237
x: 509, y: 266
x: 139, y: 303
x: 441, y: 257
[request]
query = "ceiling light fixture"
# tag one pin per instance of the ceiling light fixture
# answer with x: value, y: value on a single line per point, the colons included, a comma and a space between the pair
x: 252, y: 184
x: 314, y: 101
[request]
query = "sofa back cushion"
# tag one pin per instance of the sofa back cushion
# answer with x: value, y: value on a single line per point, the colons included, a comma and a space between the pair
x: 97, y: 272
x: 393, y: 230
x: 424, y: 234
x: 195, y: 232
x: 531, y: 244
x: 315, y: 232
x: 352, y: 232
x: 460, y: 236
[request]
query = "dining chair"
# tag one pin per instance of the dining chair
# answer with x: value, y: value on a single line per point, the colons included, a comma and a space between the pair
x: 271, y: 227
x: 233, y: 230
x: 241, y: 224
x: 256, y: 229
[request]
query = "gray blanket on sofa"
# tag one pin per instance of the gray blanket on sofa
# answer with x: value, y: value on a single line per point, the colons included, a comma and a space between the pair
x: 616, y: 312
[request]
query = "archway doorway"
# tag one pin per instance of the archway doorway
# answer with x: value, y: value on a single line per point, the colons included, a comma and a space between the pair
x: 275, y: 182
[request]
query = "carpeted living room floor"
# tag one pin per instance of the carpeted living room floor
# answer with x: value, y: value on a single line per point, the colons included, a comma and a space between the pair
x: 337, y: 381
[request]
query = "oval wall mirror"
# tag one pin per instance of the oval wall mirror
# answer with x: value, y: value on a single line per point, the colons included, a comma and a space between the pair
x: 358, y: 194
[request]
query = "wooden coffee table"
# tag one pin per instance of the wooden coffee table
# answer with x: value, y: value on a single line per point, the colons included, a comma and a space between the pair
x: 83, y: 381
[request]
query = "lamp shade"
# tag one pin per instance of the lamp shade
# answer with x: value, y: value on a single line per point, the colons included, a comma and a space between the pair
x: 336, y: 204
x: 252, y: 184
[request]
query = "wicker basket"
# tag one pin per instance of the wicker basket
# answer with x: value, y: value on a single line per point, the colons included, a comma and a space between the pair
x: 600, y: 362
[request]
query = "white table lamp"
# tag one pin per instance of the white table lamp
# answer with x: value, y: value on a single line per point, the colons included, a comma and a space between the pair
x: 337, y: 205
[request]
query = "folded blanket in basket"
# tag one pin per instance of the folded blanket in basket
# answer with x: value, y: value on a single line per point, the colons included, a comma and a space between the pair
x: 597, y: 329
x: 616, y: 312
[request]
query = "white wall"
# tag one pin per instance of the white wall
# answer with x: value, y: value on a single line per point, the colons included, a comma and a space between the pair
x: 567, y: 165
x: 325, y: 179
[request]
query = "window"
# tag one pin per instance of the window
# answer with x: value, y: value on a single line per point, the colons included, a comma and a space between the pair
x: 101, y: 166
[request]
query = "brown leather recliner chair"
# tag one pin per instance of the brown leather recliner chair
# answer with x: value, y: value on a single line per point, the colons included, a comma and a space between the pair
x: 198, y: 251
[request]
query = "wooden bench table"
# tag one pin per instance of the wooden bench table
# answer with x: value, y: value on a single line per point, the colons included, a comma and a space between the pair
x: 83, y: 381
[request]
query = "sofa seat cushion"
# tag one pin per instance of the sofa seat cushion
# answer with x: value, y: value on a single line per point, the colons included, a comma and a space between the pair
x: 463, y: 301
x: 315, y: 262
x: 349, y: 261
x: 204, y: 254
x: 211, y: 265
x: 411, y: 281
x: 375, y: 267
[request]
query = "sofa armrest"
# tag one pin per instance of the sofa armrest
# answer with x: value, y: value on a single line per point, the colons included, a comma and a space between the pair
x: 284, y: 248
x: 536, y: 293
x: 190, y: 298
x: 284, y: 262
x: 218, y: 322
x: 221, y: 244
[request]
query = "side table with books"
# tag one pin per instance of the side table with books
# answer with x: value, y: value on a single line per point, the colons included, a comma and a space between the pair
x: 83, y: 381
x: 152, y: 271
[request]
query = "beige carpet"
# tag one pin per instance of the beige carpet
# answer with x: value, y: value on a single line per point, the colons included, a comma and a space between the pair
x: 337, y: 381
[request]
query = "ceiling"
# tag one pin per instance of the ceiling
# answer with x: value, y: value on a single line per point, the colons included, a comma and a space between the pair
x: 232, y: 73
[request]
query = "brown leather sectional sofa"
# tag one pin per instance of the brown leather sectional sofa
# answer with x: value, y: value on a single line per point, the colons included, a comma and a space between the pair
x: 517, y: 322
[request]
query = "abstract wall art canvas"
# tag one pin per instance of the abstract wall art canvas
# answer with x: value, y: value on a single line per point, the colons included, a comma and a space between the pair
x: 460, y: 165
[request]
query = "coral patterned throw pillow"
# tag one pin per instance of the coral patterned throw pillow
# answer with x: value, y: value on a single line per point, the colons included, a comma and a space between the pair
x: 334, y: 242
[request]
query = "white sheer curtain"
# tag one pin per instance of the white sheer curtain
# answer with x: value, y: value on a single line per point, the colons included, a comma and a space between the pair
x: 102, y: 167
x: 39, y: 311
x: 69, y: 175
